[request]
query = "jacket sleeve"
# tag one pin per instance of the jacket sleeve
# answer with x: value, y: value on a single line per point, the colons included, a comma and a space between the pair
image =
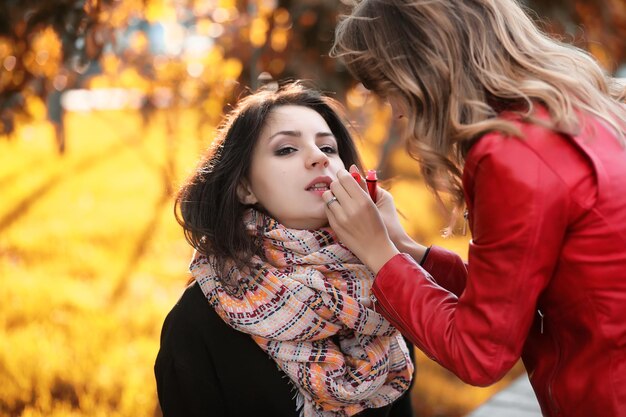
x: 187, y: 384
x: 447, y: 268
x: 519, y: 219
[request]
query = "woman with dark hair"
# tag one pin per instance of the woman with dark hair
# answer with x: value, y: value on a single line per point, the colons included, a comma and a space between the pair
x: 528, y: 135
x: 278, y: 319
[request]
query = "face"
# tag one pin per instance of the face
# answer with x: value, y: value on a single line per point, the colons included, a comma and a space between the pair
x: 397, y: 108
x: 293, y: 163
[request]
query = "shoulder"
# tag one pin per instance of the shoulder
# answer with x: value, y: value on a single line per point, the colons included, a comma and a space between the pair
x: 506, y: 147
x: 536, y: 145
x: 522, y: 171
x: 194, y: 333
x: 191, y: 309
x: 192, y: 323
x: 193, y: 303
x: 501, y: 156
x: 538, y: 151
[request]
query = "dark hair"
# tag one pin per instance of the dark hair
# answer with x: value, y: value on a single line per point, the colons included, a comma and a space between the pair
x: 207, y: 205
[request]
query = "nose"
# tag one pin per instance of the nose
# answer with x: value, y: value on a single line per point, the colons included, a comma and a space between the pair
x: 317, y: 158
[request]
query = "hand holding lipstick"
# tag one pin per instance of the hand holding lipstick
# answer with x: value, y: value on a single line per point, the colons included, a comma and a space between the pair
x: 372, y: 232
x: 357, y: 221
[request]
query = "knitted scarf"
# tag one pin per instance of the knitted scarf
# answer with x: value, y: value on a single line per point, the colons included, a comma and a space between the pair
x: 308, y: 306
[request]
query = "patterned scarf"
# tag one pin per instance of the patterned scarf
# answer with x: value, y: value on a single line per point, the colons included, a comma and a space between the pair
x: 308, y: 307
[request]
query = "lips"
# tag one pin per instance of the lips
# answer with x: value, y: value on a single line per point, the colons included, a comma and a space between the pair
x: 319, y: 184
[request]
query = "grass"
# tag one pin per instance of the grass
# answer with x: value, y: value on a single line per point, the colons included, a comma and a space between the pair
x: 91, y: 261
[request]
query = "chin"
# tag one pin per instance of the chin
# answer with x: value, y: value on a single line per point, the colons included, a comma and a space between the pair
x: 311, y: 221
x: 317, y: 223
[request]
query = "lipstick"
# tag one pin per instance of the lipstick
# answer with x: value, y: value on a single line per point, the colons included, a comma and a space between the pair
x: 371, y: 180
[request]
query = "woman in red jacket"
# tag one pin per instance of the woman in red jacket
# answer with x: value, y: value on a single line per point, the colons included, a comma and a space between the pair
x: 528, y: 134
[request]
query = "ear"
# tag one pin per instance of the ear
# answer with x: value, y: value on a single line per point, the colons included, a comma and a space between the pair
x: 245, y: 194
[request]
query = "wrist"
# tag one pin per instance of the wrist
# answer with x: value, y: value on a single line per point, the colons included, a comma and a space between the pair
x: 412, y: 248
x: 378, y: 258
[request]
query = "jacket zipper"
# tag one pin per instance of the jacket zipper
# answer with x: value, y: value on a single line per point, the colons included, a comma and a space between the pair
x: 374, y: 301
x: 554, y: 407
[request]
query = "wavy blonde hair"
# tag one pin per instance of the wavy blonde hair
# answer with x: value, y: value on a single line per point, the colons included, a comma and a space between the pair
x: 455, y: 64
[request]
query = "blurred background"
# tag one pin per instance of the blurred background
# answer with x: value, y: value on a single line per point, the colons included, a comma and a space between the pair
x: 105, y: 106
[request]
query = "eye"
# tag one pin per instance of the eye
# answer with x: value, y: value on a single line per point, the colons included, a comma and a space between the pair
x: 285, y: 151
x: 328, y: 149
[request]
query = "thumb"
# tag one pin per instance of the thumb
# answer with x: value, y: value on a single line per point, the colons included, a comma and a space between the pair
x: 356, y: 174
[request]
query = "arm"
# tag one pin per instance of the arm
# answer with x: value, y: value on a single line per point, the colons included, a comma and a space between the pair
x: 520, y: 210
x: 446, y: 267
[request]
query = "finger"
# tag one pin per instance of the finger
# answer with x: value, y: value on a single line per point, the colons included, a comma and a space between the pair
x: 334, y: 211
x: 353, y: 188
x: 340, y: 192
x: 382, y: 194
x: 356, y: 174
x: 332, y: 221
x: 329, y: 197
x: 331, y: 201
x: 329, y: 209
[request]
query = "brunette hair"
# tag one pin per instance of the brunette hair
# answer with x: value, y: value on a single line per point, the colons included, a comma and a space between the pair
x: 453, y: 65
x: 207, y: 205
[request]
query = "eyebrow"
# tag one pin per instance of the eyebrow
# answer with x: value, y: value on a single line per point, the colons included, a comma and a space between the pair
x: 297, y: 133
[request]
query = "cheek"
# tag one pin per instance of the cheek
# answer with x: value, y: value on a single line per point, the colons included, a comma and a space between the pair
x: 397, y: 109
x: 259, y: 179
x: 268, y: 182
x: 336, y: 164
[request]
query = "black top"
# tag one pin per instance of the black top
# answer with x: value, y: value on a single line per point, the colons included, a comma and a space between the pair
x: 207, y: 368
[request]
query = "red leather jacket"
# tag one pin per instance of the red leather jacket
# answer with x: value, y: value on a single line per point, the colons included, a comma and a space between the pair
x: 546, y: 275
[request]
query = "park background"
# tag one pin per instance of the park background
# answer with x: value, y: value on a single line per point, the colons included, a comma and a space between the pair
x: 105, y: 106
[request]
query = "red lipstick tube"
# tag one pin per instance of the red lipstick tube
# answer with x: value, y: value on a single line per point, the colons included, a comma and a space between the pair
x: 371, y: 180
